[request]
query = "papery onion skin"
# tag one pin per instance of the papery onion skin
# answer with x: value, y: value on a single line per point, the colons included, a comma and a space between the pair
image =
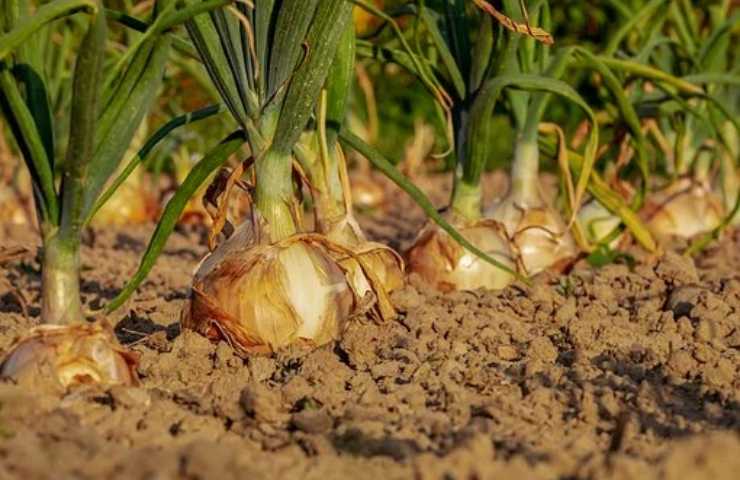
x: 598, y: 223
x: 366, y: 193
x: 127, y: 206
x: 384, y: 262
x: 684, y: 209
x: 261, y: 297
x: 538, y: 235
x: 445, y: 265
x: 68, y: 356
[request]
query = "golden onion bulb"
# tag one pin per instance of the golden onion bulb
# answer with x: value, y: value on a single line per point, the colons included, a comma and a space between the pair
x: 443, y: 263
x: 373, y: 271
x: 261, y: 297
x: 70, y: 355
x: 684, y: 208
x: 538, y: 235
x: 382, y: 261
x: 133, y: 203
x: 367, y: 193
x: 366, y: 258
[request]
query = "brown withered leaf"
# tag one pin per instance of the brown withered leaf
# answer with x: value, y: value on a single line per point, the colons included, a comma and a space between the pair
x: 509, y: 23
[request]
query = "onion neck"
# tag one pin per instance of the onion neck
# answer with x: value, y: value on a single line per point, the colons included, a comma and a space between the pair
x: 60, y: 280
x: 331, y: 204
x: 685, y: 154
x: 702, y: 168
x: 525, y: 171
x: 467, y: 200
x: 274, y: 193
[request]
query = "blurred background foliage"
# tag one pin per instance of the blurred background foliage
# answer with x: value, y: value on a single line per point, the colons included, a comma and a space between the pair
x: 390, y: 108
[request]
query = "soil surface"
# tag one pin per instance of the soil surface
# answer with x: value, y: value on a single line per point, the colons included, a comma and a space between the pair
x: 628, y: 371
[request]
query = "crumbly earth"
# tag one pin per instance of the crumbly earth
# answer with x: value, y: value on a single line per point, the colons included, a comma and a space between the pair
x: 628, y: 371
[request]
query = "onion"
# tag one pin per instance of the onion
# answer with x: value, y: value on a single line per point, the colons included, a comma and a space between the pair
x: 373, y: 270
x: 537, y: 233
x: 367, y: 193
x: 598, y: 222
x: 133, y: 203
x: 260, y: 297
x: 70, y: 355
x: 445, y: 265
x: 365, y: 21
x: 684, y: 208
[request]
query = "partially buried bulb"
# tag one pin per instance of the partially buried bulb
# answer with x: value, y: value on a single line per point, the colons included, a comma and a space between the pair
x: 70, y: 355
x: 442, y: 262
x: 537, y: 234
x: 684, y: 208
x: 260, y: 297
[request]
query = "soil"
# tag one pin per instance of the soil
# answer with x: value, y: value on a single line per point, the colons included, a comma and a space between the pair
x: 628, y: 371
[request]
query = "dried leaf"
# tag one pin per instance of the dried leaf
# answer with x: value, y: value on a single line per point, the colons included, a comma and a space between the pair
x: 507, y: 22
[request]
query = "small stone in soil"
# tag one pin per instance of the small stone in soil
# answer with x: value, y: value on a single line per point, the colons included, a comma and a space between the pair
x: 312, y: 421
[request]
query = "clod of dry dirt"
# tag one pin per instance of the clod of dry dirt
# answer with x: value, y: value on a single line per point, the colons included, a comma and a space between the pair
x: 616, y: 373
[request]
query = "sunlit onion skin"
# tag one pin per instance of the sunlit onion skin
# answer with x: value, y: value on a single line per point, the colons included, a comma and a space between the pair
x: 367, y: 194
x: 537, y: 234
x: 381, y: 259
x: 684, y: 208
x: 68, y: 356
x: 260, y: 297
x: 134, y: 202
x: 446, y: 266
x: 598, y: 223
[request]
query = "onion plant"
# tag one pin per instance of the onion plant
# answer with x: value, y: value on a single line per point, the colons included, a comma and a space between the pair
x: 535, y: 227
x: 675, y: 64
x: 273, y: 282
x: 323, y: 160
x: 107, y: 105
x: 506, y: 57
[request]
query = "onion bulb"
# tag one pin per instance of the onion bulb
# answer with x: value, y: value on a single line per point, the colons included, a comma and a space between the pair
x: 373, y: 270
x: 684, y: 208
x: 260, y: 297
x: 367, y: 193
x: 598, y: 222
x: 133, y: 203
x: 537, y: 234
x: 70, y: 355
x: 442, y: 262
x: 11, y: 209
